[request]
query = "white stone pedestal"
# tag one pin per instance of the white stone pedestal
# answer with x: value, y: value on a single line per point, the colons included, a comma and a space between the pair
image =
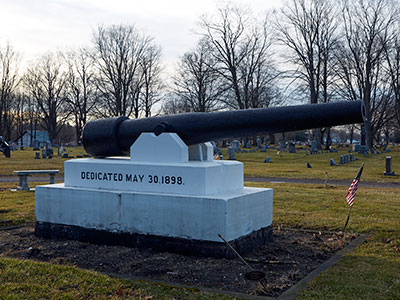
x: 179, y: 203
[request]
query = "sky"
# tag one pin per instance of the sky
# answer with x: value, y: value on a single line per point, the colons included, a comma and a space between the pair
x: 34, y: 27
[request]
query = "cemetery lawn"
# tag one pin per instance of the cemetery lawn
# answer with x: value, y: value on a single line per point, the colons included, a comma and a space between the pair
x: 294, y: 165
x: 369, y: 272
x: 284, y: 165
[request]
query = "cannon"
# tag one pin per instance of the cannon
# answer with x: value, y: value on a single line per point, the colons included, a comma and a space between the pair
x: 114, y: 136
x: 171, y: 194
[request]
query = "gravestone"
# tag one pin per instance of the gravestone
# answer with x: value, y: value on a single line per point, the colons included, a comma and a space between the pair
x: 22, y: 148
x: 332, y: 162
x: 314, y: 149
x: 231, y: 153
x: 259, y: 143
x: 35, y: 145
x: 65, y: 155
x: 346, y: 158
x: 292, y: 148
x: 351, y: 157
x: 267, y: 160
x: 248, y: 145
x: 282, y: 145
x: 60, y: 150
x: 44, y: 153
x: 235, y: 145
x: 342, y: 159
x: 362, y: 148
x: 307, y: 152
x: 309, y: 165
x: 49, y: 152
x: 37, y: 155
x: 388, y: 163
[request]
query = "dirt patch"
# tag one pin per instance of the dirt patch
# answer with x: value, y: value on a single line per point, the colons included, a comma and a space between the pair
x: 291, y: 256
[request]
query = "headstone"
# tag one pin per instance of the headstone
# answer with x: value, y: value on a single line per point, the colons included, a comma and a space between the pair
x: 363, y: 135
x: 307, y: 152
x: 351, y: 157
x: 231, y: 153
x: 292, y: 148
x: 49, y: 152
x: 37, y: 155
x: 60, y: 150
x: 342, y: 159
x: 346, y: 158
x: 282, y: 146
x: 22, y: 148
x: 65, y: 155
x: 314, y: 149
x: 267, y: 160
x: 309, y: 165
x: 387, y: 150
x: 244, y: 151
x: 224, y: 144
x: 333, y: 162
x: 263, y: 150
x: 44, y: 153
x: 248, y: 145
x: 259, y: 143
x: 389, y: 171
x: 35, y: 145
x: 235, y: 145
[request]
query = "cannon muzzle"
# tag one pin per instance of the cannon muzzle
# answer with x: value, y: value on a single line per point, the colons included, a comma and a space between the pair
x: 114, y: 136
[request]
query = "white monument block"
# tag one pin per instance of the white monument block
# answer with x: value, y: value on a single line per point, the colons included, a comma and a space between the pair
x: 159, y: 192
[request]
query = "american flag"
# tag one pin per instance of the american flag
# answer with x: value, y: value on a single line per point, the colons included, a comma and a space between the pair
x: 351, y: 193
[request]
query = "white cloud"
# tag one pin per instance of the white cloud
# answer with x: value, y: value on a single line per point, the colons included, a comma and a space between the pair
x: 37, y: 26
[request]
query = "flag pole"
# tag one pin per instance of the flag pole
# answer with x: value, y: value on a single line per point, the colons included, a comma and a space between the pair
x: 347, y: 221
x: 351, y: 204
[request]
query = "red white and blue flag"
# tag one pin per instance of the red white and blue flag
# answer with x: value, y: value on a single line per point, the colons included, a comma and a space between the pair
x: 351, y: 193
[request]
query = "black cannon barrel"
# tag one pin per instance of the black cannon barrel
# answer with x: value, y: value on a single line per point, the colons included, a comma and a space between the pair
x: 114, y: 136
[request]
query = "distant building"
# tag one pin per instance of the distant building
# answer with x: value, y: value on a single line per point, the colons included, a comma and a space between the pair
x: 25, y: 139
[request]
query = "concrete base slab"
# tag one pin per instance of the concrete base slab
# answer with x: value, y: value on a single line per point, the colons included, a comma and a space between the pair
x: 179, y: 217
x: 243, y: 244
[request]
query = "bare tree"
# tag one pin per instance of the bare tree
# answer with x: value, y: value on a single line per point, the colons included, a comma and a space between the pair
x: 308, y: 29
x: 80, y: 88
x: 151, y: 79
x: 45, y: 82
x: 367, y: 26
x: 241, y: 50
x: 9, y: 62
x: 197, y: 84
x: 119, y: 51
x: 392, y: 54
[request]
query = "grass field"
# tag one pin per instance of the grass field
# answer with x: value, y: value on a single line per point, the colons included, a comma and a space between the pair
x: 370, y: 272
x: 287, y: 165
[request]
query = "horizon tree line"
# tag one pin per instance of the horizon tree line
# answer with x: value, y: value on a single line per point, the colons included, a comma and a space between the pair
x: 313, y: 50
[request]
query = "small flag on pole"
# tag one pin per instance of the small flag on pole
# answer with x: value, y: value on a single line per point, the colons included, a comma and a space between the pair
x: 351, y: 193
